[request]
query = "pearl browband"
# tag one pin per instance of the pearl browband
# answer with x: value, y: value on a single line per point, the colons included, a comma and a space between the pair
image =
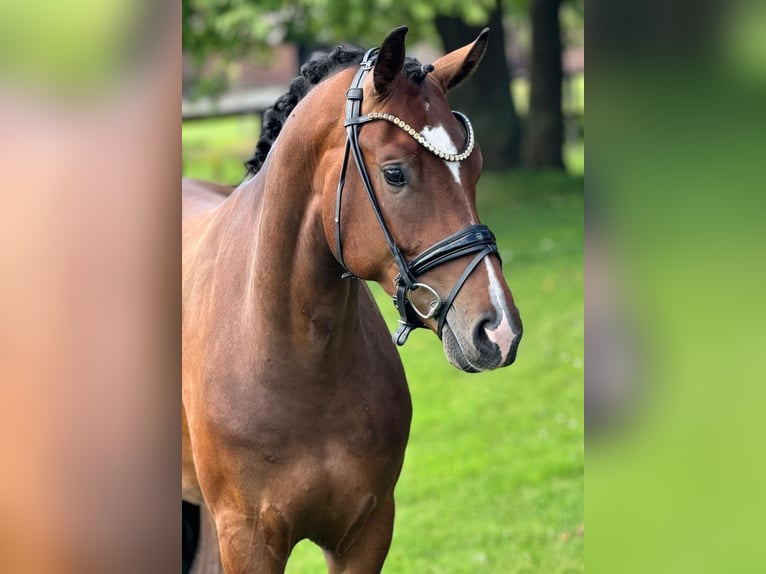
x: 418, y: 137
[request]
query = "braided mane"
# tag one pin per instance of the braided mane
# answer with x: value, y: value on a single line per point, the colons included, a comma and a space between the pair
x: 318, y: 68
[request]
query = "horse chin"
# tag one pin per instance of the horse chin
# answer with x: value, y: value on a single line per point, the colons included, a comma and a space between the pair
x: 455, y: 354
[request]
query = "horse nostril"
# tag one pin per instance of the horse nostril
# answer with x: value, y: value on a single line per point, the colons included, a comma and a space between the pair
x: 480, y: 335
x: 496, y: 339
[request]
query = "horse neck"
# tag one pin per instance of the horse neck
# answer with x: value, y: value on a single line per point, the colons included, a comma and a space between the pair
x: 301, y: 301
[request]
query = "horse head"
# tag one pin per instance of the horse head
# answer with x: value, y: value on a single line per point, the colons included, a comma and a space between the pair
x: 409, y: 167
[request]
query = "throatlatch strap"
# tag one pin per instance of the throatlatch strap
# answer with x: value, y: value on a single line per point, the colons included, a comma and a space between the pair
x: 338, y: 203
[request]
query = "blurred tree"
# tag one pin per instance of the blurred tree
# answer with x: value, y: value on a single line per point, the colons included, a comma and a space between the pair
x: 238, y: 26
x: 544, y: 128
x: 487, y: 96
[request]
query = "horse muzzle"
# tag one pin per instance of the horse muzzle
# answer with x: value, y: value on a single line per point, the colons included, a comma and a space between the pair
x: 491, y: 342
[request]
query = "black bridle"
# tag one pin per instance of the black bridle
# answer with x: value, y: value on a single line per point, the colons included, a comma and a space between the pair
x: 474, y: 239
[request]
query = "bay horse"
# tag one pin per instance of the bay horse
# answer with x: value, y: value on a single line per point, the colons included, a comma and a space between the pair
x: 296, y: 410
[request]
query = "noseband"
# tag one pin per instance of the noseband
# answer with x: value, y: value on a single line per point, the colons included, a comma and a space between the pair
x: 474, y: 239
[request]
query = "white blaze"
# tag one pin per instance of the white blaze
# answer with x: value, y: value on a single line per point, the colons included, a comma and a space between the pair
x: 439, y: 138
x: 503, y: 334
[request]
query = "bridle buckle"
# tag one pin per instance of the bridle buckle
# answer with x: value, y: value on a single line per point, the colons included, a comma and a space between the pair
x: 434, y: 306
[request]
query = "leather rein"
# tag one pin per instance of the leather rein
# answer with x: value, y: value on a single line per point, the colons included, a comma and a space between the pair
x: 474, y: 239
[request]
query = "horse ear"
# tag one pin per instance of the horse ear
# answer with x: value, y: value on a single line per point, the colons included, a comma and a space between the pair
x: 390, y: 61
x: 452, y: 69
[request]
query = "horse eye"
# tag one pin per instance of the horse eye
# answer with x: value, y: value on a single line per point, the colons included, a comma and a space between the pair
x: 394, y: 176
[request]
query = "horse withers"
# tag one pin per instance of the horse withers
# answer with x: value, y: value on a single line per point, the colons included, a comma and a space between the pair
x: 296, y: 410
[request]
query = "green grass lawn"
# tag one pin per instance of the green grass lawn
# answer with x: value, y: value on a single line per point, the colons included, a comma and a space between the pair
x: 493, y: 477
x: 215, y: 150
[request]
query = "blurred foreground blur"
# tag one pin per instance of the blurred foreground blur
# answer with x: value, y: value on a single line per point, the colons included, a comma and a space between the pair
x: 674, y: 279
x: 89, y: 171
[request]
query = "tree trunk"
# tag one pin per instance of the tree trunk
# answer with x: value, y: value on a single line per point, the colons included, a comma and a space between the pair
x: 486, y: 96
x: 544, y: 127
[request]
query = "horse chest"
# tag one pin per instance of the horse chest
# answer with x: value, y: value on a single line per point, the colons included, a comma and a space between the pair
x: 321, y: 467
x: 280, y: 422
